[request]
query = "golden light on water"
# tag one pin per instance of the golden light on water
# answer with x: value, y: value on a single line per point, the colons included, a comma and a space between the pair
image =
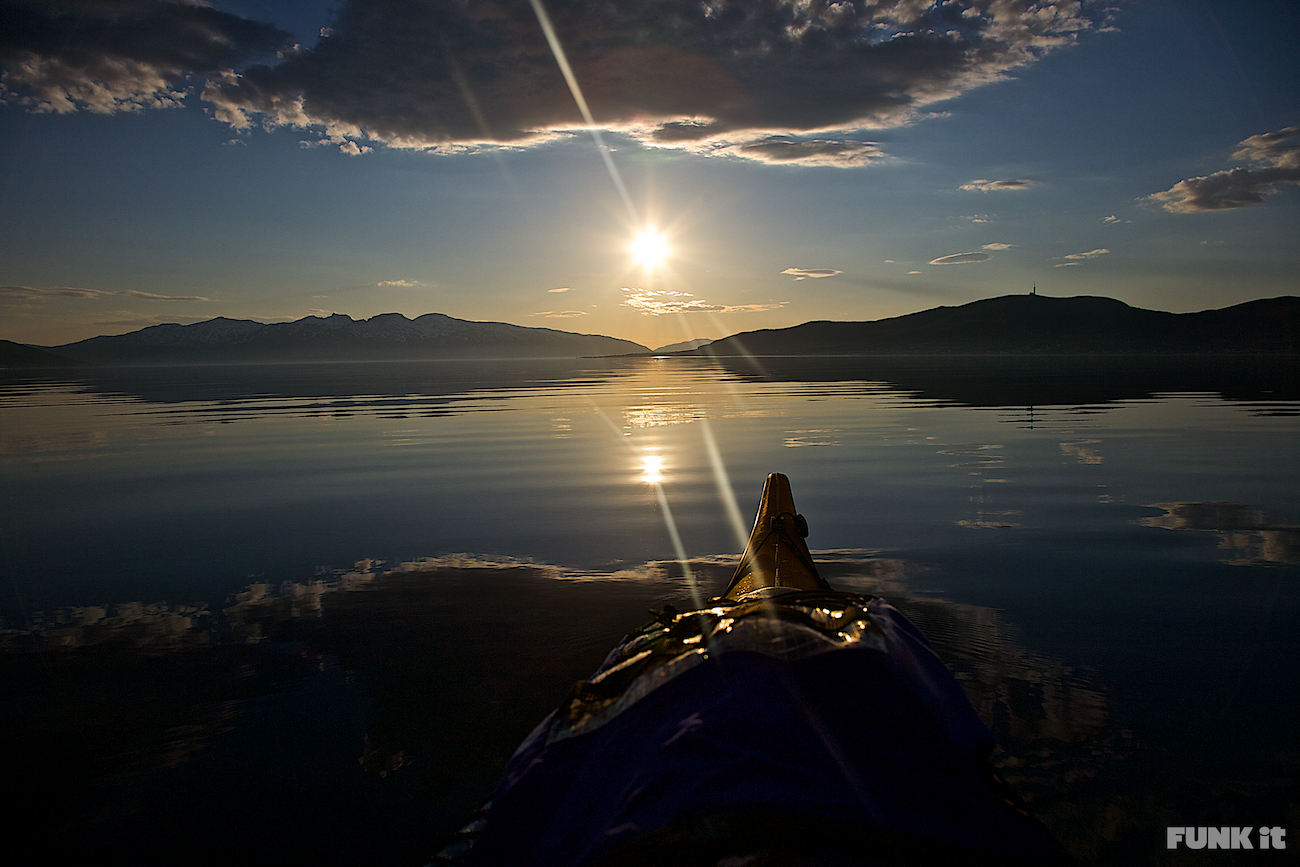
x: 650, y: 248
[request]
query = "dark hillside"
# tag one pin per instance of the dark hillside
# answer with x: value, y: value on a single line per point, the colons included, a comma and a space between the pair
x: 1037, y: 325
x: 16, y: 355
x: 390, y: 336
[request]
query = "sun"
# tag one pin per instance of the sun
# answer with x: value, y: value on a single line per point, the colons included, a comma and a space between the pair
x: 650, y: 248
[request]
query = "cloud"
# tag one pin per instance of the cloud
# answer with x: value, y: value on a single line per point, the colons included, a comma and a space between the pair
x: 152, y: 297
x: 961, y: 259
x: 560, y: 289
x: 560, y: 314
x: 407, y: 283
x: 914, y: 272
x: 1281, y: 149
x: 752, y: 308
x: 119, y: 55
x: 811, y: 273
x: 1066, y: 265
x: 657, y: 302
x: 776, y: 81
x: 990, y: 186
x: 1091, y: 254
x: 1111, y: 219
x: 998, y: 246
x: 1279, y: 152
x: 783, y: 150
x: 32, y: 293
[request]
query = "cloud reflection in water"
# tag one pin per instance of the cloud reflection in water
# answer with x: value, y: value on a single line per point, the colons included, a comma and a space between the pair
x: 1242, y: 531
x: 435, y: 645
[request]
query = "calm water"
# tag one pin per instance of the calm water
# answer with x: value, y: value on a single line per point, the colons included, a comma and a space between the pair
x: 309, y: 611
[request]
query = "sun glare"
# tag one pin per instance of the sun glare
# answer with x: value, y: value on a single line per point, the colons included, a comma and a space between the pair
x: 650, y: 248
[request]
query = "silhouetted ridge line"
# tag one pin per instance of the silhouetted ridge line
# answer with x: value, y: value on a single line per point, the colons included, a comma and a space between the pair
x: 389, y: 336
x: 1038, y: 325
x: 18, y: 355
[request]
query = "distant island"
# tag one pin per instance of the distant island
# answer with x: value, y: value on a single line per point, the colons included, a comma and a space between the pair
x: 1011, y: 326
x: 1037, y: 325
x: 684, y: 346
x: 387, y: 337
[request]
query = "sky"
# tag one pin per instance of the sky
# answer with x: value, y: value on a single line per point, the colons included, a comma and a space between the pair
x: 656, y: 170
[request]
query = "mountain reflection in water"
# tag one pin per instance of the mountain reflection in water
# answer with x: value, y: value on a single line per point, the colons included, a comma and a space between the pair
x: 434, y: 388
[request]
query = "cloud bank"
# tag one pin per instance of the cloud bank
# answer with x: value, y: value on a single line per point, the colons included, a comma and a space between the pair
x: 1278, y: 153
x: 119, y: 55
x: 776, y: 81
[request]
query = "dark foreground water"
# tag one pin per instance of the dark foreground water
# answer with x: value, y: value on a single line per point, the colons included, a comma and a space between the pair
x: 305, y: 613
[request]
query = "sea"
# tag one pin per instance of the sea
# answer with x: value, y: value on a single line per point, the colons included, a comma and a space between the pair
x: 304, y: 613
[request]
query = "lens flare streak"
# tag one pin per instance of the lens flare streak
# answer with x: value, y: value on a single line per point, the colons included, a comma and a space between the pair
x: 723, y: 481
x: 567, y: 71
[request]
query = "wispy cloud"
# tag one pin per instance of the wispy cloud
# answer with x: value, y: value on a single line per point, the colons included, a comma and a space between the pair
x: 1091, y: 254
x: 34, y: 293
x: 407, y: 283
x: 657, y: 302
x: 558, y: 290
x: 752, y: 308
x: 560, y: 314
x: 1066, y: 265
x: 1279, y: 152
x: 984, y: 186
x: 961, y: 259
x: 998, y: 246
x: 782, y: 83
x: 811, y: 273
x: 152, y: 297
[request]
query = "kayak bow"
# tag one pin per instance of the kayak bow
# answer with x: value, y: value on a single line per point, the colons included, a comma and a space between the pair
x: 785, y: 723
x: 777, y: 555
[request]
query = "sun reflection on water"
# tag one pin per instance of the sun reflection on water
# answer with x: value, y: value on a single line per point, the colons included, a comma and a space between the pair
x: 652, y: 469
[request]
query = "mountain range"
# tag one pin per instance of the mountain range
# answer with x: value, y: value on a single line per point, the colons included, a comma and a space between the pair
x: 1038, y: 325
x: 1011, y: 325
x: 389, y: 336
